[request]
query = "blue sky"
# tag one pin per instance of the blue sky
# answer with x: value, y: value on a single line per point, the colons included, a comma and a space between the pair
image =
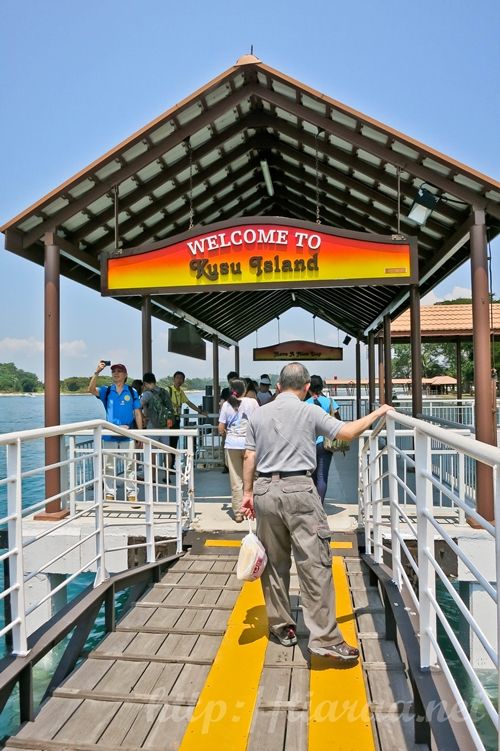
x: 77, y: 78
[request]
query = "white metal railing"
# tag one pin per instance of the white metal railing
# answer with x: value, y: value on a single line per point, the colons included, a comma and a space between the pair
x: 95, y: 535
x: 460, y: 411
x: 384, y: 483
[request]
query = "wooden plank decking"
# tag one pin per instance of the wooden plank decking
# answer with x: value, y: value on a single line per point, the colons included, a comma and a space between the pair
x: 155, y: 683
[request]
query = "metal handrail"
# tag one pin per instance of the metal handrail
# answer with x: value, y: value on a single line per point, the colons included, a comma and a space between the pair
x: 95, y: 549
x: 378, y: 450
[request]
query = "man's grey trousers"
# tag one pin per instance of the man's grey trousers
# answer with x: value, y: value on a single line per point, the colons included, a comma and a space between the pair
x: 290, y: 518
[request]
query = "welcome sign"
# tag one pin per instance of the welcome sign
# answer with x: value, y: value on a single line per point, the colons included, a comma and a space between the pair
x: 260, y: 253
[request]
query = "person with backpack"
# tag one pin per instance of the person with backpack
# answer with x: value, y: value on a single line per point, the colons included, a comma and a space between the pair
x: 156, y: 406
x: 323, y: 457
x: 123, y: 406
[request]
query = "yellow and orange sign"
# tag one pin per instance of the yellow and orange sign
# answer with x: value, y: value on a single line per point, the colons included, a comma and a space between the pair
x: 261, y: 253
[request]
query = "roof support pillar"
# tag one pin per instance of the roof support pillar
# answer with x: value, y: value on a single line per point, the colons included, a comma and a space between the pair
x: 237, y: 358
x: 387, y: 359
x: 381, y: 371
x: 458, y: 345
x: 485, y: 428
x: 416, y: 351
x: 215, y: 371
x: 52, y: 349
x: 371, y: 371
x: 147, y: 357
x: 358, y: 379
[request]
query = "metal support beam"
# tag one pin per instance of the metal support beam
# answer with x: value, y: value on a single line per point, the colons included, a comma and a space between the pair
x: 416, y: 351
x: 371, y: 370
x: 237, y: 358
x: 482, y: 360
x: 147, y: 357
x: 52, y: 349
x: 387, y: 360
x: 358, y: 379
x: 215, y: 370
x: 381, y: 372
x: 458, y: 346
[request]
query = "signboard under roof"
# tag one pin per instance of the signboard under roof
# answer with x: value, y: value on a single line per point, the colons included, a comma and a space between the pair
x: 260, y: 253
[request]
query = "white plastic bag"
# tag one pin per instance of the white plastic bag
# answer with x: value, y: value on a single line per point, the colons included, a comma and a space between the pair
x: 252, y: 558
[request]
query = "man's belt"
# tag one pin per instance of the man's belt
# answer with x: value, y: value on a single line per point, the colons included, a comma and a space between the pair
x: 279, y: 475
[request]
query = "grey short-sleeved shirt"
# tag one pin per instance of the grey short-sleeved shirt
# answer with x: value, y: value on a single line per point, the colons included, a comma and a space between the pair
x: 283, y: 434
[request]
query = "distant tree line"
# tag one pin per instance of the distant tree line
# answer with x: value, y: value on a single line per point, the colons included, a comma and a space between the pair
x: 14, y: 380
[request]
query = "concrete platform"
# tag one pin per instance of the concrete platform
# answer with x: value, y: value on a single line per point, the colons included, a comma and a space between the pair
x: 213, y: 506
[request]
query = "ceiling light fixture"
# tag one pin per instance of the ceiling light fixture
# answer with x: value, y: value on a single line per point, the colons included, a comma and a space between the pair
x: 267, y: 177
x: 423, y: 206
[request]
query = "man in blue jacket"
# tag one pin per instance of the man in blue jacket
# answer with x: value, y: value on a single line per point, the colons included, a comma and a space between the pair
x: 123, y: 407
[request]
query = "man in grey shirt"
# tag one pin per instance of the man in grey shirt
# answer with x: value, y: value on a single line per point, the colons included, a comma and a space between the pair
x: 280, y: 445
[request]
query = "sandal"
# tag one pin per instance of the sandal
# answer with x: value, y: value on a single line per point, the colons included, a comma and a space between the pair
x: 342, y: 651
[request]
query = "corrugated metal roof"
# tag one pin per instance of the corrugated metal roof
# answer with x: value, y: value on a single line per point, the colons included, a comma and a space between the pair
x: 207, y: 150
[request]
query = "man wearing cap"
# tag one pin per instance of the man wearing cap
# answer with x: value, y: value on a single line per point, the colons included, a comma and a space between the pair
x: 281, y: 446
x: 123, y: 406
x: 264, y: 395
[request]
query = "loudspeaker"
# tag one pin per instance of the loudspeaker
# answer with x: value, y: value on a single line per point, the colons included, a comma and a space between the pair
x: 347, y: 340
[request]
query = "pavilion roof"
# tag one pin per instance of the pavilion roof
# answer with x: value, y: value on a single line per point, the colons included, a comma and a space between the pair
x: 206, y: 151
x: 443, y: 322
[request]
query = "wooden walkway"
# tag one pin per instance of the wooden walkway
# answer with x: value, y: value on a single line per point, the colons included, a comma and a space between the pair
x: 190, y: 667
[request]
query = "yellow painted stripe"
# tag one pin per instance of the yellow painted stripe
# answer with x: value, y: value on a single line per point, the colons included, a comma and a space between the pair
x: 237, y: 544
x: 339, y: 715
x: 223, y: 715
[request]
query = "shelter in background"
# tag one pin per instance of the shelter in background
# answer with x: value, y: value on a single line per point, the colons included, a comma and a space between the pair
x: 254, y: 141
x: 437, y: 385
x: 445, y: 323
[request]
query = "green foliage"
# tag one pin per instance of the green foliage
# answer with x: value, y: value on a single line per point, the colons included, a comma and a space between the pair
x: 14, y: 380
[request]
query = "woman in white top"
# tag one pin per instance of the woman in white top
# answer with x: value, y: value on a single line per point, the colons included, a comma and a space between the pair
x: 233, y: 421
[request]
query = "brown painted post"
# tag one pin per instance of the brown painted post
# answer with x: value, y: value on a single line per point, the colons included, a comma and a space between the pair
x: 215, y: 365
x: 482, y: 360
x: 381, y: 371
x: 387, y: 359
x: 358, y: 379
x: 459, y: 369
x: 52, y: 350
x: 371, y: 370
x: 416, y: 351
x: 147, y: 357
x: 237, y: 358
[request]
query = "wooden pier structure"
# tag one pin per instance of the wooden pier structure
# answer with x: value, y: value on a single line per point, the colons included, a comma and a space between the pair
x: 190, y: 666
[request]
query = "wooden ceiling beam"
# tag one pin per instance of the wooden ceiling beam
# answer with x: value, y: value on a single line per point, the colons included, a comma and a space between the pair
x: 141, y: 161
x: 344, y: 196
x: 360, y: 187
x: 143, y: 215
x: 382, y: 152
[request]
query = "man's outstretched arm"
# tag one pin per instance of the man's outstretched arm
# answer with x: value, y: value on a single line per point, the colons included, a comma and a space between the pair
x: 354, y: 429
